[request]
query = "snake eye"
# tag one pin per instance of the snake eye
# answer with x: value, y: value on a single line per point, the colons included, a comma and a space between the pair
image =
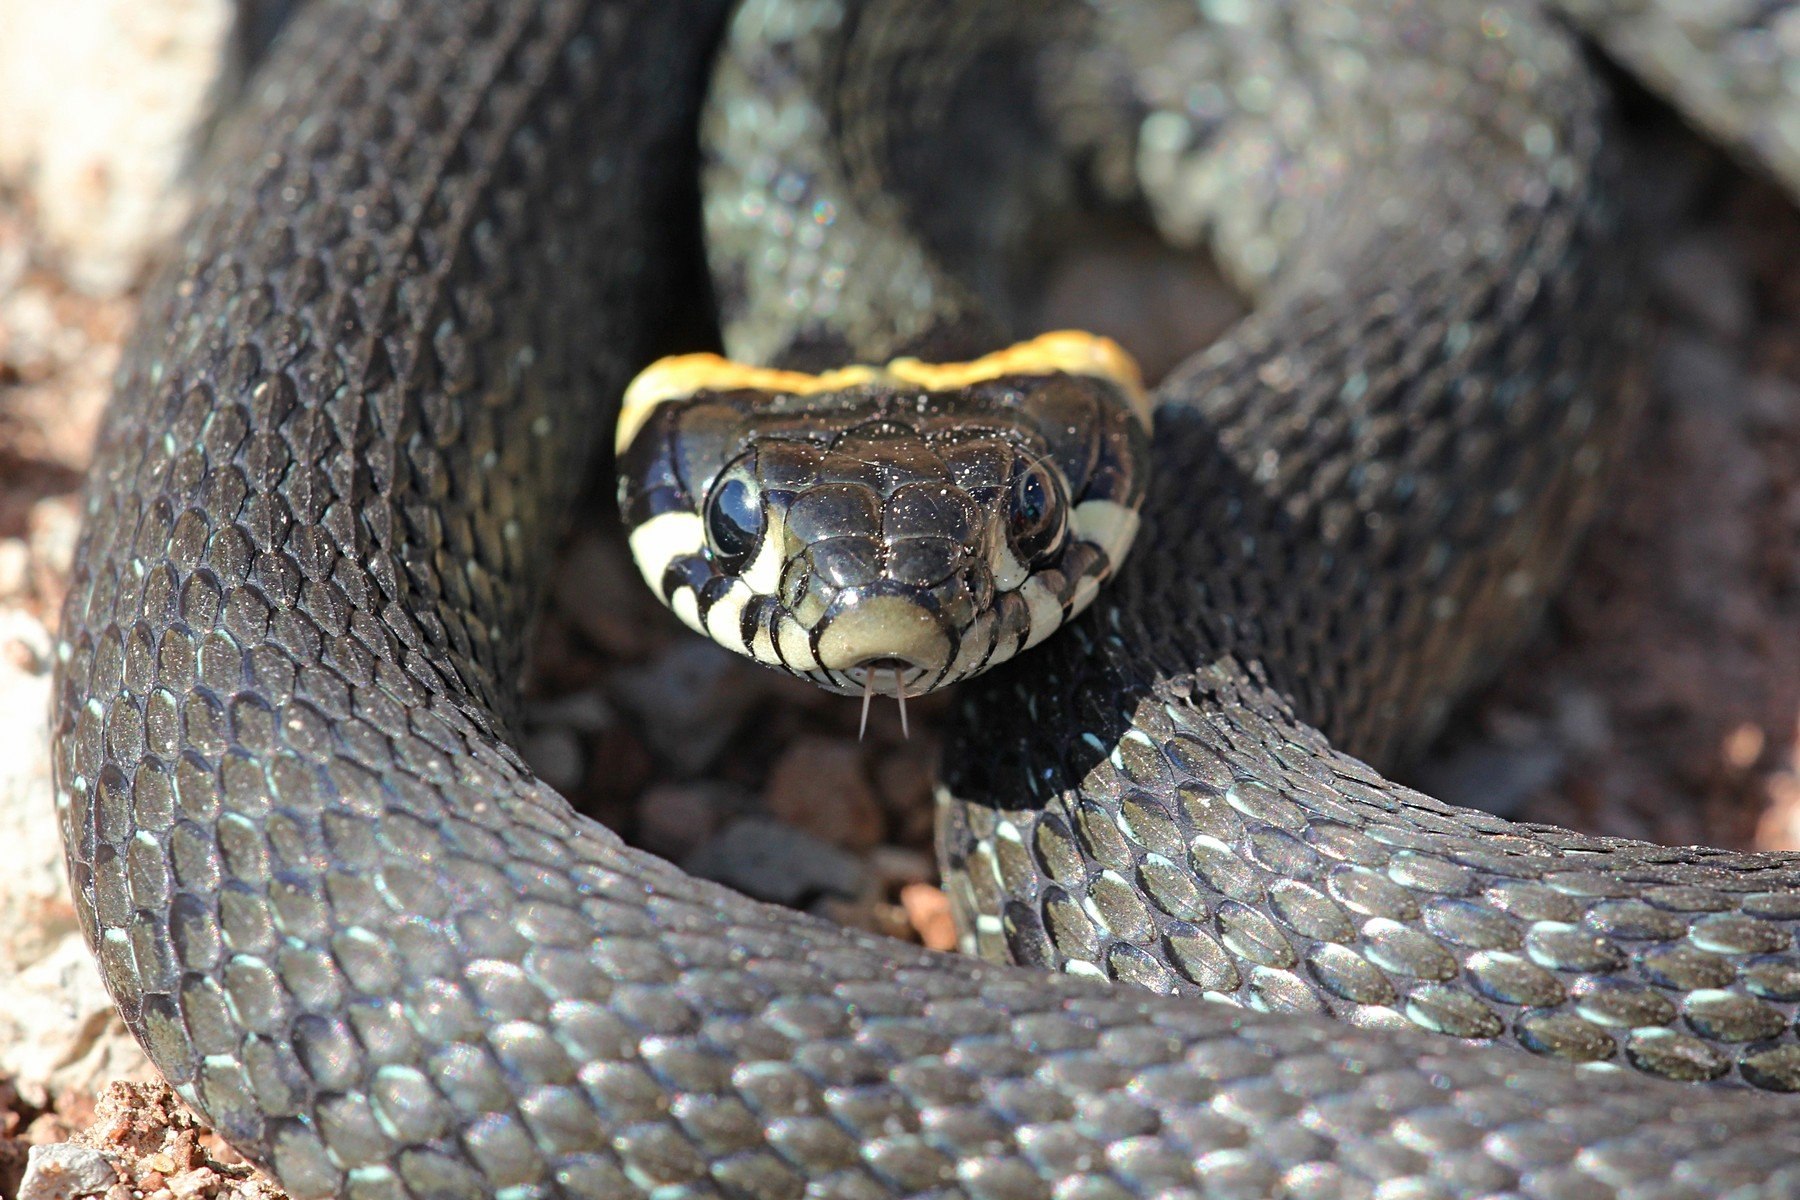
x: 734, y: 522
x: 1037, y: 515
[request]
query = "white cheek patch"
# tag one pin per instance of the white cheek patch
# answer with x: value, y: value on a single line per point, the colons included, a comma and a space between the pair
x: 1085, y: 591
x: 796, y: 644
x: 1045, y: 609
x: 763, y: 575
x: 1008, y: 571
x: 762, y: 647
x: 725, y: 619
x: 810, y: 608
x: 1108, y: 525
x: 1005, y: 646
x: 663, y: 539
x: 977, y: 640
x: 686, y: 605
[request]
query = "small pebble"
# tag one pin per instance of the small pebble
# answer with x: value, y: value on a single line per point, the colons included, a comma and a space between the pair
x: 689, y: 700
x: 1743, y: 745
x: 556, y: 756
x: 1773, y: 404
x: 819, y: 784
x: 1582, y: 722
x: 25, y: 644
x: 65, y: 1171
x: 1699, y: 278
x: 896, y: 866
x: 584, y: 712
x: 903, y: 780
x: 1699, y: 375
x: 15, y: 569
x: 674, y: 819
x: 190, y: 1184
x: 55, y: 523
x: 929, y: 911
x: 775, y: 862
x: 600, y: 592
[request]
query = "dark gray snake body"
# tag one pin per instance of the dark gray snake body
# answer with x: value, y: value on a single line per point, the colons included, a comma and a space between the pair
x: 385, y: 961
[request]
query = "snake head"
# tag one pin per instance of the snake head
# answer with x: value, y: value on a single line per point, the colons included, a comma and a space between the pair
x: 890, y: 528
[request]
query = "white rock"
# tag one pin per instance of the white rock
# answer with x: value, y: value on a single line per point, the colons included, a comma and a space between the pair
x: 34, y: 896
x: 105, y: 101
x: 58, y: 1030
x: 65, y: 1171
x: 54, y: 526
x: 15, y: 568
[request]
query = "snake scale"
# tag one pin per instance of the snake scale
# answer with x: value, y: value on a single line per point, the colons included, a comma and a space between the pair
x: 384, y: 960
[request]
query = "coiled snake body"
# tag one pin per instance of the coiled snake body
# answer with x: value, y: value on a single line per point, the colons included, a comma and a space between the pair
x: 384, y: 960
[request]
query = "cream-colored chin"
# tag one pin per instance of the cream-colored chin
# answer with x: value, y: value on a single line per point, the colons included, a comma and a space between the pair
x: 884, y: 627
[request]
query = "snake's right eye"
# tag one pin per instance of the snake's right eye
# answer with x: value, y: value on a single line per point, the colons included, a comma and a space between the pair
x: 1036, y: 513
x: 734, y: 522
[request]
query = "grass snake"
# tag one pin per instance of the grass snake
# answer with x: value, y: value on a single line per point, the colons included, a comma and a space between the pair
x: 384, y: 960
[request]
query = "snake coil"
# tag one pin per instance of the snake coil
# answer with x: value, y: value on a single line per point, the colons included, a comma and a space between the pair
x: 384, y: 960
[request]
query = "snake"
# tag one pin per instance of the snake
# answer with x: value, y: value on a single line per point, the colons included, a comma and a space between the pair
x: 1215, y: 950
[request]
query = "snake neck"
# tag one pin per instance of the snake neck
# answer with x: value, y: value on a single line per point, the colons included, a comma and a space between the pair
x: 1333, y: 525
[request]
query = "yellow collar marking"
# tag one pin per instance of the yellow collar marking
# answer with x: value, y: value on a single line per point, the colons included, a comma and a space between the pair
x: 1068, y: 351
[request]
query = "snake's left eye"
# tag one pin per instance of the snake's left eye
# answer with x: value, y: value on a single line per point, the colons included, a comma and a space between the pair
x: 1037, y: 514
x: 734, y: 522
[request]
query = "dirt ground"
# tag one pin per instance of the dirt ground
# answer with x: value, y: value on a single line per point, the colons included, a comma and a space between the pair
x: 1661, y: 700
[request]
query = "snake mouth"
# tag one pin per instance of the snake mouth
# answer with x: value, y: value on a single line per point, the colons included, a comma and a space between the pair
x: 884, y: 640
x: 890, y: 676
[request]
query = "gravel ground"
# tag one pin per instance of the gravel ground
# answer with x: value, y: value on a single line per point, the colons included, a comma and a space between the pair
x: 1662, y: 699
